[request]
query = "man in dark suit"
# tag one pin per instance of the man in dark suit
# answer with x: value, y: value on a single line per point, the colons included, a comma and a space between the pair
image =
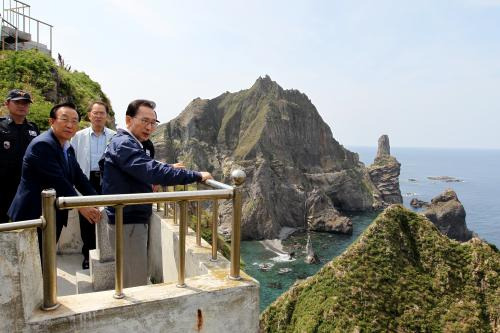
x: 49, y: 162
x: 127, y: 168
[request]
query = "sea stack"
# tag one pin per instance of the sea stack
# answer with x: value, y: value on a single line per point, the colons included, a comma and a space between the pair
x: 311, y: 256
x: 384, y: 173
x: 448, y: 214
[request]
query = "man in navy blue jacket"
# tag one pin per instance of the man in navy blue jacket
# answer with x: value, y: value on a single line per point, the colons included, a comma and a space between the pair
x: 128, y: 169
x: 49, y: 162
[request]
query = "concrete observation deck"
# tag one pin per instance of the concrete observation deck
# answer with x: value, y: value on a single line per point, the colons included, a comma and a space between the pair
x: 211, y: 302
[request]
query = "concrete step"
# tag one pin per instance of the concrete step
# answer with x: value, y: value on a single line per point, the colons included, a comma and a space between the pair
x: 10, y: 32
x: 28, y: 46
x: 83, y: 282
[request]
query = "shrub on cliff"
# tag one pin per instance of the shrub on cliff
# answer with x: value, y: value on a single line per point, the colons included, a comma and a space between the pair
x: 401, y: 275
x: 48, y: 83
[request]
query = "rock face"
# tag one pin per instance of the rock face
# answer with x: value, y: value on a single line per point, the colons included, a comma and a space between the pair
x: 323, y: 216
x: 448, y: 214
x: 297, y: 173
x: 384, y: 173
x: 401, y: 275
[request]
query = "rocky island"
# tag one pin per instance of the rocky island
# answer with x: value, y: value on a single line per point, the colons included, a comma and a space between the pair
x: 298, y: 175
x: 401, y: 275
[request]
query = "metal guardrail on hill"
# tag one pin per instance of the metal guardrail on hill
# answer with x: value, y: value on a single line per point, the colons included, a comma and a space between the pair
x: 17, y: 15
x: 48, y: 224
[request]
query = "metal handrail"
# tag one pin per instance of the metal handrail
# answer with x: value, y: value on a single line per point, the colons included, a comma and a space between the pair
x: 21, y: 225
x: 37, y: 27
x: 29, y: 17
x: 221, y: 191
x: 140, y: 198
x: 13, y: 27
x: 13, y: 18
x: 48, y: 224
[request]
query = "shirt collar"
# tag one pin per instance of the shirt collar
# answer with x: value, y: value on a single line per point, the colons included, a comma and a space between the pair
x: 66, y: 146
x: 94, y: 133
x: 126, y: 130
x: 11, y: 121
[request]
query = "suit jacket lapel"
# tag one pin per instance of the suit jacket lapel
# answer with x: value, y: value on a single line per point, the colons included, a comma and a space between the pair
x: 60, y: 155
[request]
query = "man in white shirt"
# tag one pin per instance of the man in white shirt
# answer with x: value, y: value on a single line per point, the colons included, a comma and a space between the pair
x: 89, y: 145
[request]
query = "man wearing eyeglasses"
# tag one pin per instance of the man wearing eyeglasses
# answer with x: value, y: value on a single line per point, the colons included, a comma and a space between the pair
x: 128, y: 169
x: 15, y: 135
x: 49, y: 162
x: 89, y: 144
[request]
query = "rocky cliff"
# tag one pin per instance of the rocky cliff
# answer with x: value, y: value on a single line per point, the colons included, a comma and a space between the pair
x: 298, y: 175
x: 384, y: 173
x: 448, y: 214
x: 401, y: 275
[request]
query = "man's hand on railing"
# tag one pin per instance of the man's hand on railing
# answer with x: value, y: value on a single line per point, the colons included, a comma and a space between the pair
x: 205, y: 176
x: 92, y: 214
x: 179, y: 165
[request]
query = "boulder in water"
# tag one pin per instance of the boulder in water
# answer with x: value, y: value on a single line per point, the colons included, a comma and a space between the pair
x: 448, y: 214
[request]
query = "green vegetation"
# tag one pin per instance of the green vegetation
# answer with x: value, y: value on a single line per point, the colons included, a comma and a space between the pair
x: 206, y: 234
x: 48, y: 84
x: 401, y: 275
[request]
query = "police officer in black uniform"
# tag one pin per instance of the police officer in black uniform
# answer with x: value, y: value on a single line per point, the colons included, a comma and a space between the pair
x: 15, y: 135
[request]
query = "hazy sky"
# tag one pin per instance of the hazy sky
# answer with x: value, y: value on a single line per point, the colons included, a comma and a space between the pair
x: 427, y: 73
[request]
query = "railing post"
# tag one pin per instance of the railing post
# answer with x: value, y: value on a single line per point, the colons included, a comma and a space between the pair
x: 165, y: 203
x: 238, y: 177
x: 119, y: 252
x: 198, y: 220
x: 181, y: 273
x: 158, y: 203
x: 174, y: 206
x: 49, y: 263
x: 51, y: 40
x: 215, y: 213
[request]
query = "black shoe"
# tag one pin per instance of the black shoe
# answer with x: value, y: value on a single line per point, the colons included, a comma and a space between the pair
x: 85, y: 264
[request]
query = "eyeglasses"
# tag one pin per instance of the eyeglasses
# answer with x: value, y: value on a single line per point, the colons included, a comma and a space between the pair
x: 147, y: 122
x: 68, y: 121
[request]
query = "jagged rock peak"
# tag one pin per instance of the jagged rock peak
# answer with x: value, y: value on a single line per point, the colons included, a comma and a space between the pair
x: 279, y: 139
x: 384, y: 148
x: 265, y: 83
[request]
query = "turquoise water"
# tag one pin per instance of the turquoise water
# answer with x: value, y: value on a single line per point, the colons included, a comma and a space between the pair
x: 326, y: 246
x: 479, y: 193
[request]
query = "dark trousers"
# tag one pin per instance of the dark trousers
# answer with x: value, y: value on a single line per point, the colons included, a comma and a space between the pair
x: 87, y: 229
x: 59, y: 227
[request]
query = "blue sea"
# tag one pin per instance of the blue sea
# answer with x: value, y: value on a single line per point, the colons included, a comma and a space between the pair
x: 478, y: 190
